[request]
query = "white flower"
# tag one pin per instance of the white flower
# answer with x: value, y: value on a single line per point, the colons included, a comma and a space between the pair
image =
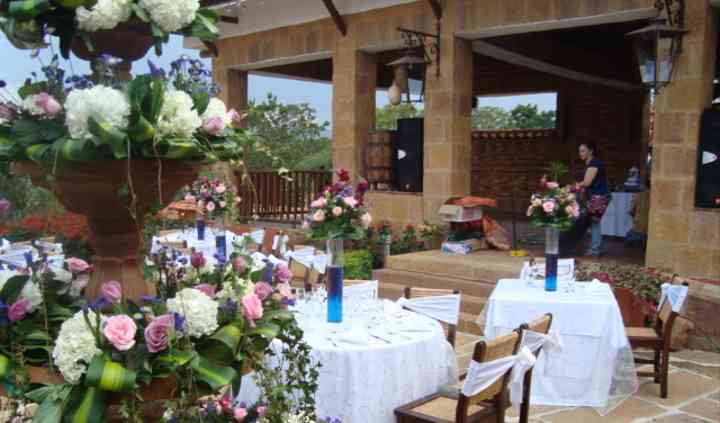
x: 30, y: 105
x: 236, y: 292
x: 103, y: 103
x: 217, y: 108
x: 199, y: 310
x: 171, y: 15
x: 178, y: 116
x: 32, y: 293
x: 105, y: 14
x: 75, y: 347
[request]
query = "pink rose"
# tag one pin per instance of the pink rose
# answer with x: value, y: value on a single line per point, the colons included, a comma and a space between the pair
x: 548, y: 207
x: 210, y: 206
x: 263, y: 290
x: 120, y: 331
x: 207, y: 289
x: 47, y: 103
x: 350, y: 201
x: 190, y: 198
x: 240, y: 265
x: 4, y: 206
x: 365, y: 220
x: 76, y: 265
x: 223, y: 204
x: 239, y: 414
x: 283, y: 273
x: 552, y: 185
x: 112, y: 291
x: 220, y: 189
x: 19, y: 309
x: 235, y: 117
x: 252, y: 307
x: 261, y: 410
x: 157, y: 332
x: 238, y: 200
x: 213, y: 125
x: 319, y: 203
x: 319, y: 216
x: 337, y: 211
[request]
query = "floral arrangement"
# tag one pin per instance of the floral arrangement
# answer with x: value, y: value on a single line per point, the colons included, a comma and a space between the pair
x: 554, y: 207
x: 339, y: 211
x: 26, y: 23
x: 59, y: 119
x: 208, y: 326
x: 33, y: 304
x: 213, y: 198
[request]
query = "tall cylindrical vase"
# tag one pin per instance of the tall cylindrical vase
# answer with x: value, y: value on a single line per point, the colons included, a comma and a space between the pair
x: 552, y: 252
x: 220, y: 240
x: 335, y: 275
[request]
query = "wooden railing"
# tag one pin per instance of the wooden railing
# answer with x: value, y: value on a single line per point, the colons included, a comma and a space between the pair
x: 271, y: 197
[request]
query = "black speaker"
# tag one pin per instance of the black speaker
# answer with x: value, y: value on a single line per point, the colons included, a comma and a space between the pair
x: 409, y: 155
x: 707, y: 188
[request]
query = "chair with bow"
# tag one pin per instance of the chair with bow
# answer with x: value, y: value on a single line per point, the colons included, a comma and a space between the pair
x: 482, y: 399
x: 540, y: 326
x: 362, y: 289
x: 658, y: 338
x: 440, y: 304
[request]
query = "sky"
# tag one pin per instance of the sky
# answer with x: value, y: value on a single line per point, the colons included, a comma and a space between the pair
x: 18, y: 64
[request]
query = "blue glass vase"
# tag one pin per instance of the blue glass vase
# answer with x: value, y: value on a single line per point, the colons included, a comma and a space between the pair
x: 335, y: 276
x: 220, y: 241
x: 552, y: 252
x: 200, y: 227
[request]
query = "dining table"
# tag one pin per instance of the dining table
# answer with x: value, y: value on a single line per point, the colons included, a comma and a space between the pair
x: 379, y: 358
x: 595, y: 366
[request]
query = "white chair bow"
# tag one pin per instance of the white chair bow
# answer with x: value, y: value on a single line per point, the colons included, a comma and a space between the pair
x: 445, y: 308
x: 280, y: 244
x: 364, y: 291
x: 275, y: 261
x: 308, y: 258
x: 676, y: 294
x: 258, y: 236
x: 481, y: 376
x: 550, y: 343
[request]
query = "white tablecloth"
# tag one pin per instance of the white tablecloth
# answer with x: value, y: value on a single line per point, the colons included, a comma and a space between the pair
x: 617, y: 220
x: 595, y: 367
x: 365, y: 383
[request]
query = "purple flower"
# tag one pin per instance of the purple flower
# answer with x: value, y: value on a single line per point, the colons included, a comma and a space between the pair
x: 112, y: 291
x: 19, y: 309
x: 4, y: 206
x: 283, y: 273
x: 179, y: 321
x: 157, y: 332
x: 263, y: 290
x: 150, y: 299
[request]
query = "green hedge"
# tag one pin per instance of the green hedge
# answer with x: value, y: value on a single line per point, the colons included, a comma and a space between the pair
x: 358, y: 264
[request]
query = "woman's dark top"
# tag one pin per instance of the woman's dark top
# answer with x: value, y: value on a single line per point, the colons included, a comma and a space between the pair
x: 599, y: 185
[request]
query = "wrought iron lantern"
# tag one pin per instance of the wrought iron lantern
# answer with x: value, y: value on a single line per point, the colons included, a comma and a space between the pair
x: 409, y: 79
x: 659, y: 45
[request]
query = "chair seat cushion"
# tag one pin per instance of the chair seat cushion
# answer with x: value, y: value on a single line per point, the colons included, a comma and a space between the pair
x: 443, y: 408
x: 642, y: 334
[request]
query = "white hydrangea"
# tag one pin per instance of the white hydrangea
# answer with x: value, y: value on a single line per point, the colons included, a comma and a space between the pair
x: 105, y: 14
x: 171, y: 15
x: 199, y: 310
x: 217, y: 108
x: 30, y: 105
x: 229, y: 292
x: 104, y: 103
x: 178, y: 116
x: 75, y: 347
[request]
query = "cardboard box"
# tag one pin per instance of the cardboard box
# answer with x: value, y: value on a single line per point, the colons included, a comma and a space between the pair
x: 461, y: 247
x: 453, y: 213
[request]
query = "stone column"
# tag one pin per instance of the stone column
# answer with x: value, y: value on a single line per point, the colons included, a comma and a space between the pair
x: 234, y: 93
x: 354, y: 82
x: 448, y: 108
x: 682, y: 237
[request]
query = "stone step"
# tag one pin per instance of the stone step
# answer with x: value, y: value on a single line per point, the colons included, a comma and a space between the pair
x: 425, y: 280
x: 468, y: 304
x: 483, y: 266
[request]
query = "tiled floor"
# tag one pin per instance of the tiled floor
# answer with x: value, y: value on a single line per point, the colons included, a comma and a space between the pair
x: 694, y: 394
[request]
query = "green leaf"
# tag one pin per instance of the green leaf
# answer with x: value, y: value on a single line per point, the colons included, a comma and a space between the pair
x: 268, y: 331
x: 141, y: 130
x: 214, y: 376
x: 109, y: 376
x: 52, y: 400
x: 153, y: 104
x: 88, y: 405
x: 25, y: 10
x: 37, y: 152
x: 201, y: 101
x: 31, y: 89
x: 11, y: 291
x: 175, y: 148
x: 205, y: 25
x: 28, y: 131
x: 140, y: 13
x: 281, y: 315
x: 82, y: 151
x: 105, y: 133
x: 221, y: 346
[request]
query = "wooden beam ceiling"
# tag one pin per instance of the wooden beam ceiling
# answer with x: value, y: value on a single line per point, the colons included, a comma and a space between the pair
x: 437, y: 8
x: 339, y: 22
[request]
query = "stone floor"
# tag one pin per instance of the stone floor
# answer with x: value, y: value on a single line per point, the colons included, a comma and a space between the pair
x: 694, y: 393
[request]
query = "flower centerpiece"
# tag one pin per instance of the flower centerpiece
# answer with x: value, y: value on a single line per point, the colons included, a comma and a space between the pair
x: 88, y: 27
x: 554, y: 208
x: 208, y: 326
x: 338, y: 213
x: 33, y: 304
x: 128, y: 144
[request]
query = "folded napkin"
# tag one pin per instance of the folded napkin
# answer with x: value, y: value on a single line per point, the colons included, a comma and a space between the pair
x: 595, y: 287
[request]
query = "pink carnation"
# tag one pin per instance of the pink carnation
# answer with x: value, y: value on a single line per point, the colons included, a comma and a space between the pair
x: 319, y: 216
x: 350, y: 201
x: 283, y: 273
x: 552, y: 185
x: 120, y: 331
x: 220, y: 189
x: 548, y: 207
x: 47, y: 103
x: 252, y: 307
x: 319, y: 203
x: 239, y: 414
x: 210, y: 206
x: 76, y: 265
x: 263, y: 290
x: 337, y: 211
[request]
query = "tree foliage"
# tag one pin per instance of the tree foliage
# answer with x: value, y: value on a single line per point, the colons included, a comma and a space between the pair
x: 290, y: 131
x: 386, y: 117
x: 522, y: 116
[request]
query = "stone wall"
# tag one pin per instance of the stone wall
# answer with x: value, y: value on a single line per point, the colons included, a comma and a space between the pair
x: 398, y: 208
x: 681, y: 237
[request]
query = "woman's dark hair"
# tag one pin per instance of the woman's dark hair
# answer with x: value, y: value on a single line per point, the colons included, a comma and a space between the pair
x: 590, y: 146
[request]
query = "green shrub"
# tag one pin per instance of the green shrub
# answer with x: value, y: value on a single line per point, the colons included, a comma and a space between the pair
x: 358, y: 264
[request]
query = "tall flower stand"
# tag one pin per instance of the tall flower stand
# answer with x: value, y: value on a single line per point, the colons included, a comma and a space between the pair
x: 335, y: 276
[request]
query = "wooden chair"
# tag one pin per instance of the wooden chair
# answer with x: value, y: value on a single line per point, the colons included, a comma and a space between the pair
x: 658, y: 338
x: 540, y: 325
x: 412, y: 292
x: 485, y: 407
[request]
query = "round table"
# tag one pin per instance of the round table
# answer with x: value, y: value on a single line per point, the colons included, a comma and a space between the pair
x: 377, y: 360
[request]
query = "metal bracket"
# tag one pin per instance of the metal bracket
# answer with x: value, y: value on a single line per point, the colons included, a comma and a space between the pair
x: 430, y: 44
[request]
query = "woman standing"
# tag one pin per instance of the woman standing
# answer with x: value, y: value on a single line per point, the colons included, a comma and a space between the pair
x: 596, y: 192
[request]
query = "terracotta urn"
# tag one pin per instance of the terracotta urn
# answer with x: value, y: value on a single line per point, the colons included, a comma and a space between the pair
x: 95, y: 190
x: 129, y: 41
